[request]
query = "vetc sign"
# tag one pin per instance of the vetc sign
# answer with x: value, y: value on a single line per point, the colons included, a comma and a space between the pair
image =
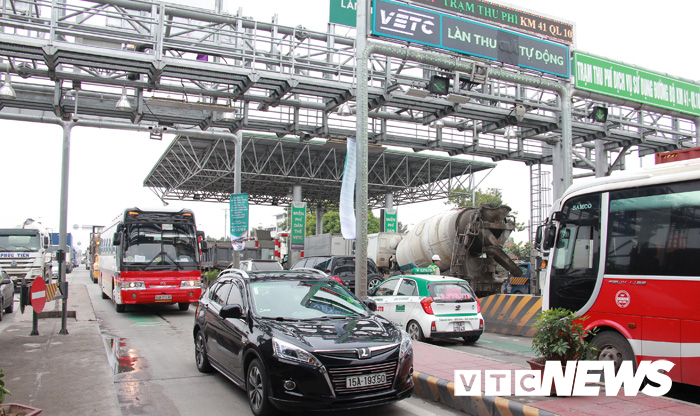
x: 400, y: 21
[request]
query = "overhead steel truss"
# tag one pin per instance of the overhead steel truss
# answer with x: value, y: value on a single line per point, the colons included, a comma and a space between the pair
x: 183, y: 67
x: 203, y: 169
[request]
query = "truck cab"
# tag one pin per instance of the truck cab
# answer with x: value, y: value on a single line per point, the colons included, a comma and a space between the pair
x: 519, y: 285
x: 24, y: 253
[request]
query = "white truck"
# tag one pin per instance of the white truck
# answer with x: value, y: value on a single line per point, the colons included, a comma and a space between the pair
x: 24, y: 252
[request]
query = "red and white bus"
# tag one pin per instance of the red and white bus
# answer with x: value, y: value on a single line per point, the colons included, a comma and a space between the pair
x: 625, y: 251
x: 150, y: 257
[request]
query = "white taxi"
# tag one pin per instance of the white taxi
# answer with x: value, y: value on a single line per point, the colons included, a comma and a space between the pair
x: 429, y: 306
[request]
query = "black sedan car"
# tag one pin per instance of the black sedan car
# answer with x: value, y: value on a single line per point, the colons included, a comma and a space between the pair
x: 300, y: 341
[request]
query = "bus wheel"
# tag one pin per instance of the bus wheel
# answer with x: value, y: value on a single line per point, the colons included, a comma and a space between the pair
x: 612, y: 346
x: 121, y: 308
x: 183, y: 306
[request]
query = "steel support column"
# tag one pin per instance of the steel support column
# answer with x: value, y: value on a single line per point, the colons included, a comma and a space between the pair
x: 237, y: 182
x: 361, y: 192
x: 63, y: 223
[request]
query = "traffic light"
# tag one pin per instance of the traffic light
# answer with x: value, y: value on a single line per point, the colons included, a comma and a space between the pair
x: 439, y: 85
x: 599, y: 114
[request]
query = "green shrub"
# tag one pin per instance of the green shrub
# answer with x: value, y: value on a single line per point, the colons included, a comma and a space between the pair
x: 210, y: 275
x: 559, y: 335
x: 3, y: 390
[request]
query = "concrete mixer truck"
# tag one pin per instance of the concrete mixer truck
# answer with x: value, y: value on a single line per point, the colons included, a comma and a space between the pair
x: 469, y: 242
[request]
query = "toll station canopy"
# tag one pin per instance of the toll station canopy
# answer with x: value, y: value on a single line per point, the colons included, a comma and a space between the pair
x: 203, y: 169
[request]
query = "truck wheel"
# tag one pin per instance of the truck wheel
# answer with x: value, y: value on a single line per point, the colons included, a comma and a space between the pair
x: 121, y: 308
x: 183, y: 306
x: 414, y: 331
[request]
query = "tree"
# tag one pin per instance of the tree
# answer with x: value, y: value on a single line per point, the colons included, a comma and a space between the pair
x: 331, y: 223
x: 463, y: 198
x: 517, y: 251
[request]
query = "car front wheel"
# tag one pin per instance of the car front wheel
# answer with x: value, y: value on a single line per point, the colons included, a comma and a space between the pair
x: 10, y: 308
x: 371, y: 283
x: 257, y: 387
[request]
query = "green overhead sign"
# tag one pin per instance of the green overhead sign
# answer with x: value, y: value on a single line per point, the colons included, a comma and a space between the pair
x: 343, y: 12
x: 603, y: 76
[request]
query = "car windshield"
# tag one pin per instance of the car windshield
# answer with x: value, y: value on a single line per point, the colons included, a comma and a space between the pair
x: 451, y: 292
x: 304, y: 300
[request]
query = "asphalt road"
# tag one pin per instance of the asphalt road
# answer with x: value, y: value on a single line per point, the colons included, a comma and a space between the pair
x: 151, y: 352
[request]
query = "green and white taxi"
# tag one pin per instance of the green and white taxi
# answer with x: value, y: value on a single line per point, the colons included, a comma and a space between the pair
x: 429, y: 306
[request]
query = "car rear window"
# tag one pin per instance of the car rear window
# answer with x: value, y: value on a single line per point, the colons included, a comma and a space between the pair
x: 345, y: 264
x: 451, y: 292
x: 266, y: 266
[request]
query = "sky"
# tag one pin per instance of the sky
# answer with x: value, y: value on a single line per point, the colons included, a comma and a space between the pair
x: 108, y: 167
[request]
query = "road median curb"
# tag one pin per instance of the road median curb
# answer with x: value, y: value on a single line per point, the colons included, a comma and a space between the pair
x: 442, y: 391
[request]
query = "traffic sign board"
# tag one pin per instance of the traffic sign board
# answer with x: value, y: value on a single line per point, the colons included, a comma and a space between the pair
x: 38, y: 294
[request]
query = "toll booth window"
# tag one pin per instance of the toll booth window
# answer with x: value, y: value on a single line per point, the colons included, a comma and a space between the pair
x: 654, y: 231
x: 577, y: 253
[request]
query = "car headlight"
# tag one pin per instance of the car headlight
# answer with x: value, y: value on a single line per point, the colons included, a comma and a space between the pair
x: 132, y: 285
x: 406, y: 345
x: 190, y: 284
x: 287, y: 351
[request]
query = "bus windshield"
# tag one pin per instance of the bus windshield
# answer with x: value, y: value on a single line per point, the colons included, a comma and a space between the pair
x: 160, y: 246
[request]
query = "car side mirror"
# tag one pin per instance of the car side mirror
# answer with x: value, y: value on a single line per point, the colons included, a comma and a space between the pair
x: 117, y: 239
x: 5, y: 281
x: 370, y: 304
x: 231, y: 311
